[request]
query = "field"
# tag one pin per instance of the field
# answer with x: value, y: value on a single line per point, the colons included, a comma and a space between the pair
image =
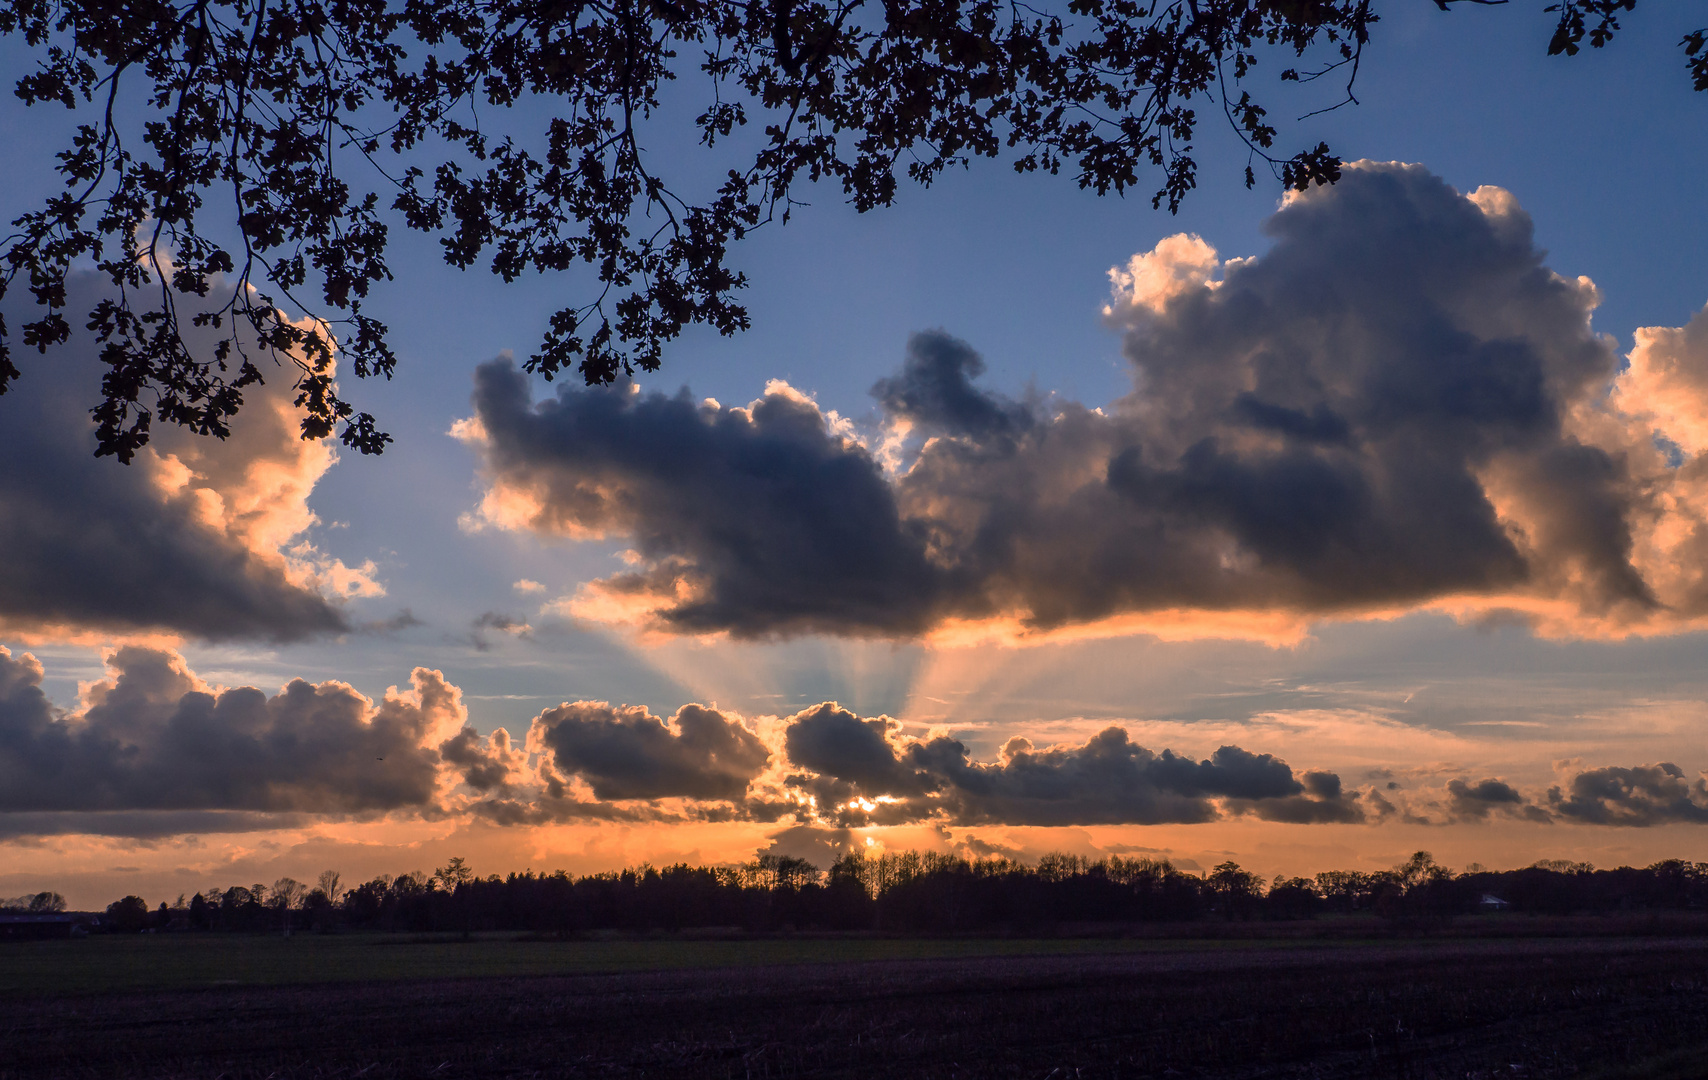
x: 187, y: 961
x: 237, y: 1007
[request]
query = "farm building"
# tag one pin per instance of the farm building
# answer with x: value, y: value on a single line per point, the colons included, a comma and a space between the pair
x: 36, y: 927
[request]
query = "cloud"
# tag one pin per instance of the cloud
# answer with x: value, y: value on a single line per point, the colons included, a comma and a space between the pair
x: 1636, y: 796
x: 403, y: 620
x: 499, y: 621
x: 838, y: 771
x: 865, y: 772
x: 862, y: 754
x: 144, y: 825
x: 627, y: 753
x: 757, y: 521
x: 152, y: 736
x: 152, y: 750
x: 1179, y: 265
x: 1666, y: 383
x: 1476, y: 802
x: 1609, y: 795
x: 816, y: 844
x: 488, y: 766
x: 934, y: 390
x: 198, y: 537
x: 1397, y: 407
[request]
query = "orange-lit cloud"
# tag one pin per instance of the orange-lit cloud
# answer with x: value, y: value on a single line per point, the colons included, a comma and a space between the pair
x: 199, y: 537
x: 154, y: 753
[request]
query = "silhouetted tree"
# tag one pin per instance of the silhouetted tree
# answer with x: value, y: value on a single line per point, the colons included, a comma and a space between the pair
x: 926, y: 892
x: 1235, y: 892
x: 256, y: 137
x: 129, y: 915
x: 287, y: 895
x: 452, y: 874
x: 1292, y: 898
x: 42, y: 903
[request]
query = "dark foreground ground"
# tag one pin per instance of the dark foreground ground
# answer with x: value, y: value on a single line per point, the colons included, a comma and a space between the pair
x: 1468, y: 1009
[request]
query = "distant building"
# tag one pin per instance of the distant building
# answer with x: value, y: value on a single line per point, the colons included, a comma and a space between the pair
x: 1490, y: 902
x: 57, y: 924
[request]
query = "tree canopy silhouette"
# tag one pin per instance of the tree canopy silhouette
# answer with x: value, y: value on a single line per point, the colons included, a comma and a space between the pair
x: 243, y: 159
x: 926, y: 892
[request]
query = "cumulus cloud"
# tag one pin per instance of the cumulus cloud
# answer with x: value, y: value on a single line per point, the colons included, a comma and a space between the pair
x: 1608, y: 795
x: 758, y: 520
x: 627, y: 753
x: 935, y: 391
x: 831, y: 769
x: 860, y: 754
x: 1398, y: 406
x: 1476, y: 802
x: 153, y: 736
x: 1636, y: 796
x: 865, y: 772
x: 152, y: 750
x: 198, y: 537
x: 486, y: 766
x: 1666, y: 383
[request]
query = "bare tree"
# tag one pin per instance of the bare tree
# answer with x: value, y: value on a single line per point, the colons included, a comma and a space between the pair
x: 288, y: 895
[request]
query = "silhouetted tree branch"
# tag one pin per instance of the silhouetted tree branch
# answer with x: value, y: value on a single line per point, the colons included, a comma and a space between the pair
x: 243, y: 159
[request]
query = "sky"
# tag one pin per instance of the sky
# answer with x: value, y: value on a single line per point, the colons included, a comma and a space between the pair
x: 1302, y: 532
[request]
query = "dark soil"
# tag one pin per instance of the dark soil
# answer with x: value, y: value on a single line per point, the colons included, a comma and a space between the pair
x: 1593, y: 1008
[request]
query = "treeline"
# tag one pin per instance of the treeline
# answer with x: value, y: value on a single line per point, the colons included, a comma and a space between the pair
x: 907, y: 892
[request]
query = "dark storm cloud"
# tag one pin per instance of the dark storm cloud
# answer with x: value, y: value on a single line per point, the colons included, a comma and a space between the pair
x: 89, y: 545
x: 627, y: 753
x: 1107, y: 780
x: 1376, y: 413
x: 1636, y: 796
x: 153, y: 739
